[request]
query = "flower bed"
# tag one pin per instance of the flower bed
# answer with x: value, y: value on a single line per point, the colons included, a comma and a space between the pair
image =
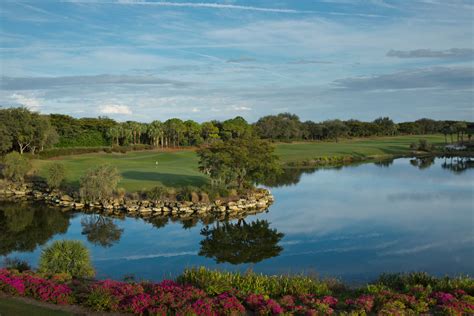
x: 171, y: 298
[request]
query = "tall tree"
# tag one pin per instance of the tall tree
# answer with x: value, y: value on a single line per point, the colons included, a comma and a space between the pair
x: 239, y: 162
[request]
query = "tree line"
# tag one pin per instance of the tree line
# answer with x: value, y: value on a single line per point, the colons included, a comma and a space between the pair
x: 23, y: 130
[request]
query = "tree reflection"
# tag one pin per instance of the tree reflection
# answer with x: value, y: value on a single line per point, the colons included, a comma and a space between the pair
x: 422, y: 162
x: 240, y: 242
x: 158, y: 221
x: 384, y: 163
x: 288, y: 177
x: 24, y: 226
x: 100, y: 230
x: 457, y: 164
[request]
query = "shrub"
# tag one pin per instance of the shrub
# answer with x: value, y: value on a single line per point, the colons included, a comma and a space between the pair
x: 56, y: 175
x: 422, y: 145
x: 187, y: 193
x: 66, y: 256
x: 157, y: 193
x: 214, y: 282
x: 99, y: 184
x: 121, y: 192
x: 15, y: 167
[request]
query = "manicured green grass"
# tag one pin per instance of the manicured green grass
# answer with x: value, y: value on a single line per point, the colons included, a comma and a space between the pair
x: 361, y: 148
x: 140, y: 171
x: 12, y: 307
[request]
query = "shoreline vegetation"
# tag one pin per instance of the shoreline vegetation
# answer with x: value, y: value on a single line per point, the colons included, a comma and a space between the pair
x: 199, y: 291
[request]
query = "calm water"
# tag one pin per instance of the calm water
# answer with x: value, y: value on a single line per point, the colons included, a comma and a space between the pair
x: 353, y: 222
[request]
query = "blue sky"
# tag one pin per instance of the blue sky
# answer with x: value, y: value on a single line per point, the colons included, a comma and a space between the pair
x: 321, y: 59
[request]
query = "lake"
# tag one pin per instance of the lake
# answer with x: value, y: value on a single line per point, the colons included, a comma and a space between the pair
x: 352, y: 222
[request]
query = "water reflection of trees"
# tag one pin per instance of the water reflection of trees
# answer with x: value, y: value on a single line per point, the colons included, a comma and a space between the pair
x: 384, y: 163
x: 24, y: 226
x: 457, y: 164
x: 100, y: 230
x: 289, y: 176
x: 240, y: 242
x: 422, y: 162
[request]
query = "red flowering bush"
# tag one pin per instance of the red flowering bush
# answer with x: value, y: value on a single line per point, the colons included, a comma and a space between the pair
x: 26, y: 284
x: 171, y: 298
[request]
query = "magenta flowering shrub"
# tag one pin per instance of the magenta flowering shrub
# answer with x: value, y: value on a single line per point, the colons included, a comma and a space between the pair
x: 26, y: 284
x: 171, y: 298
x: 262, y: 305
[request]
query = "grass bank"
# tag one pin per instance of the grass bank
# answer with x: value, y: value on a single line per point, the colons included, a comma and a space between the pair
x: 359, y: 149
x: 142, y: 170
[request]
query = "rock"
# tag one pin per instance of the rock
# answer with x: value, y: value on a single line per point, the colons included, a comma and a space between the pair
x: 194, y: 197
x: 66, y: 198
x: 205, y: 198
x: 19, y: 192
x: 144, y: 211
x: 79, y: 205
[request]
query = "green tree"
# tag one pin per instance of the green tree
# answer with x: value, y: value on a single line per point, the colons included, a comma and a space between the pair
x: 235, y: 128
x: 98, y: 184
x: 335, y: 129
x: 66, y: 256
x: 192, y: 133
x: 6, y: 141
x: 155, y: 133
x: 56, y: 175
x: 209, y: 132
x: 15, y: 167
x: 460, y: 128
x: 238, y: 162
x: 174, y: 129
x: 21, y: 126
x: 114, y: 134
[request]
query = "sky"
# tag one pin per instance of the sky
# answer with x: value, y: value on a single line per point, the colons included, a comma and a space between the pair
x: 320, y: 59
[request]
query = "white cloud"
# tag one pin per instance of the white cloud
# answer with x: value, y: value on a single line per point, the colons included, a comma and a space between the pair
x: 115, y: 109
x: 30, y: 102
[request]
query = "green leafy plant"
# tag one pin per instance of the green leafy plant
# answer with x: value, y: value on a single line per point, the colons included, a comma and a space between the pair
x: 15, y: 167
x: 66, y: 256
x: 56, y: 175
x: 98, y: 184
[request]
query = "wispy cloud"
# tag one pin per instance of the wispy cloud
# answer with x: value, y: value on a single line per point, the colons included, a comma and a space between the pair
x: 197, y: 5
x: 308, y: 61
x: 241, y: 60
x: 435, y: 77
x: 428, y: 53
x: 28, y: 83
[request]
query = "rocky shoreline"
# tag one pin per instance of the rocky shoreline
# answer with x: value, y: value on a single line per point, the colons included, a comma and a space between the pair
x: 259, y: 200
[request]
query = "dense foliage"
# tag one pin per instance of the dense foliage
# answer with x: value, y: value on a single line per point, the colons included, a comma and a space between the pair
x: 15, y: 167
x: 98, y: 184
x: 416, y: 294
x: 238, y: 162
x: 23, y: 130
x: 70, y: 257
x: 56, y: 175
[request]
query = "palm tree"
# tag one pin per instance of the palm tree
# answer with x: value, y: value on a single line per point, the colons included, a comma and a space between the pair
x: 155, y: 132
x: 114, y: 134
